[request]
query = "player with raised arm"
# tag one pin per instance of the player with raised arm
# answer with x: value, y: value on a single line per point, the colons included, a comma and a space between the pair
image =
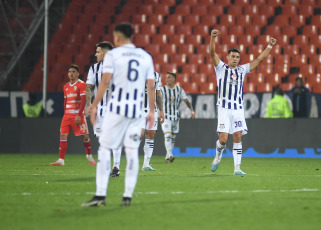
x: 231, y: 119
x: 74, y: 117
x: 129, y: 68
x: 151, y: 132
x: 93, y: 80
x: 172, y: 95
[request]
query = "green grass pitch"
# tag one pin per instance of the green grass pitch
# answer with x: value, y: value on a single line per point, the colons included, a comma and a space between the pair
x: 277, y: 193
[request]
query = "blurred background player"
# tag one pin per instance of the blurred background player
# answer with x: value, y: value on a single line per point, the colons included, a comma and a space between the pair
x: 93, y: 80
x: 74, y: 117
x: 231, y: 119
x: 278, y: 107
x: 301, y: 99
x: 130, y: 69
x: 172, y: 96
x: 151, y: 132
x: 32, y: 108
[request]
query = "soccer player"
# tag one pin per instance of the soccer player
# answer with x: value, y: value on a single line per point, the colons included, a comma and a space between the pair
x: 93, y: 80
x: 150, y: 133
x: 74, y: 117
x: 130, y: 68
x: 172, y: 96
x: 231, y: 120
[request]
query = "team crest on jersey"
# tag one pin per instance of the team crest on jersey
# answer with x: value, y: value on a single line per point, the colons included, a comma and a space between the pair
x: 135, y: 137
x: 233, y: 79
x: 172, y: 98
x: 66, y: 89
x: 75, y: 87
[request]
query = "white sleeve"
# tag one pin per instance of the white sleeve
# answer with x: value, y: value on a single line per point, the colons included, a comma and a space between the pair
x: 91, y: 76
x: 108, y: 66
x: 158, y: 81
x: 150, y: 71
x: 219, y: 68
x: 246, y: 68
x: 183, y: 94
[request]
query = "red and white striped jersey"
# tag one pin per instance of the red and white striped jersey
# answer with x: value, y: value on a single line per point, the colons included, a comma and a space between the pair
x: 72, y: 94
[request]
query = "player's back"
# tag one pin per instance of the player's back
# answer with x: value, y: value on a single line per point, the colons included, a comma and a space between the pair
x: 131, y: 67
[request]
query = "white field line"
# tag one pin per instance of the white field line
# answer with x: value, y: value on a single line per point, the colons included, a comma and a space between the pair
x: 198, y: 192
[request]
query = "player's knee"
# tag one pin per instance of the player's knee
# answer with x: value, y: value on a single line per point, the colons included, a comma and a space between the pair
x: 63, y: 136
x: 150, y: 134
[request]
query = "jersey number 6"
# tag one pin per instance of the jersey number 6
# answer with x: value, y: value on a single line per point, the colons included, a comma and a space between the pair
x: 132, y: 72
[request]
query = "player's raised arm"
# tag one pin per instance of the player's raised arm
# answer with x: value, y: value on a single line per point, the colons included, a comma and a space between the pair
x: 263, y: 55
x: 214, y: 56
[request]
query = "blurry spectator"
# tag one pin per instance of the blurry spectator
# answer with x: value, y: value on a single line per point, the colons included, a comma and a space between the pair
x: 32, y: 108
x: 278, y: 107
x: 301, y: 99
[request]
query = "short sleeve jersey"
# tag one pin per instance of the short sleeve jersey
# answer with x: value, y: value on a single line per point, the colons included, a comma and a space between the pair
x: 230, y: 85
x: 72, y: 94
x: 157, y: 87
x: 94, y: 78
x: 172, y: 98
x: 131, y: 67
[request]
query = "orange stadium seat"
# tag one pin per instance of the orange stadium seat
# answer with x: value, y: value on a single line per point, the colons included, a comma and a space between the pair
x: 263, y: 87
x: 190, y: 2
x: 209, y: 88
x: 169, y: 49
x: 292, y: 2
x: 179, y: 59
x: 177, y: 39
x: 267, y: 10
x: 200, y: 78
x: 155, y: 2
x: 227, y: 20
x: 129, y: 9
x: 265, y: 69
x: 186, y: 49
x: 207, y: 69
x: 249, y: 88
x: 223, y: 2
x: 183, y: 78
x: 215, y: 9
x: 194, y: 39
x: 258, y: 2
x: 139, y: 19
x: 202, y: 30
x: 209, y: 20
x: 291, y: 50
x: 192, y: 88
x: 168, y: 2
x: 183, y: 10
x: 192, y: 20
x: 253, y: 30
x: 222, y: 28
x: 156, y: 19
x: 298, y: 20
x: 299, y: 60
x: 167, y: 29
x: 289, y: 30
x: 145, y: 9
x: 172, y: 67
x: 160, y: 58
x: 234, y: 10
x: 237, y: 30
x: 315, y: 60
x: 184, y: 29
x: 251, y: 10
x: 245, y: 40
x: 148, y: 29
x: 300, y: 40
x: 274, y: 2
x: 306, y: 10
x: 282, y: 69
x: 316, y: 20
x: 273, y: 79
x: 281, y: 20
x: 310, y: 30
x: 162, y: 9
x: 231, y: 40
x: 289, y: 10
x: 308, y: 50
x: 159, y: 39
x: 316, y: 40
x: 196, y: 59
x: 282, y: 59
x: 260, y: 20
x: 141, y: 39
x: 154, y: 49
x: 199, y: 10
x: 244, y: 20
x: 175, y: 19
x: 203, y: 49
x: 206, y: 2
x: 307, y: 70
x: 273, y: 30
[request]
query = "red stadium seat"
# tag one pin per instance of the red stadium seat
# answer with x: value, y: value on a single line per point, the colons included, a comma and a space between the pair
x: 209, y: 88
x: 237, y: 30
x: 256, y: 49
x: 167, y: 29
x: 316, y: 40
x: 299, y: 60
x: 310, y: 30
x: 273, y: 30
x: 282, y: 69
x: 260, y: 20
x: 172, y: 67
x: 209, y: 20
x: 129, y: 9
x: 265, y: 69
x: 183, y: 10
x: 199, y: 10
x: 139, y: 19
x: 183, y: 78
x: 287, y: 86
x: 215, y: 9
x: 263, y: 87
x: 316, y: 20
x: 96, y: 28
x: 195, y: 40
x: 206, y: 2
x: 273, y: 79
x: 148, y: 29
x: 192, y: 20
x: 289, y: 10
x: 222, y: 28
x: 249, y: 88
x: 281, y: 20
x: 292, y: 2
x: 258, y: 2
x: 291, y: 50
x: 186, y: 49
x: 155, y: 2
x: 203, y: 49
x: 306, y: 10
x: 154, y: 49
x: 162, y: 9
x: 159, y: 39
x: 227, y: 19
x: 254, y: 30
x: 145, y: 9
x: 200, y: 78
x: 160, y: 58
x: 184, y: 29
x: 308, y: 50
x: 175, y: 19
x: 190, y: 2
x: 315, y: 60
x: 141, y: 39
x: 122, y: 18
x: 282, y: 59
x: 169, y: 49
x: 257, y: 78
x: 177, y: 39
x: 274, y: 2
x: 283, y: 40
x: 267, y: 10
x: 191, y: 88
x: 234, y: 10
x: 289, y: 30
x: 196, y: 59
x: 297, y: 20
x: 245, y: 40
x: 179, y: 59
x: 251, y: 10
x: 207, y: 69
x: 156, y: 19
x: 244, y: 20
x: 202, y: 30
x: 168, y: 2
x: 223, y: 2
x: 300, y: 40
x: 231, y: 40
x: 307, y: 70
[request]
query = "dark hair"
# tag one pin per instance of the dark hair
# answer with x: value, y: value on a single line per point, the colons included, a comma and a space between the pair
x: 173, y: 74
x: 299, y: 78
x: 74, y: 66
x: 234, y: 50
x: 125, y: 28
x: 105, y: 45
x: 279, y: 91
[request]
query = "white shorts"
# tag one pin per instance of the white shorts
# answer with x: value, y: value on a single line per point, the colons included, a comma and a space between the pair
x: 120, y: 131
x: 170, y: 126
x: 231, y: 121
x: 98, y: 126
x: 146, y: 124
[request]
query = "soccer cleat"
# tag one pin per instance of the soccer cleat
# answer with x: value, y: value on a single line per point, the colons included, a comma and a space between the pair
x: 91, y: 159
x: 215, y: 164
x: 115, y: 172
x: 95, y: 201
x: 167, y: 160
x: 148, y: 168
x: 171, y: 159
x: 126, y: 201
x: 239, y: 172
x: 57, y: 163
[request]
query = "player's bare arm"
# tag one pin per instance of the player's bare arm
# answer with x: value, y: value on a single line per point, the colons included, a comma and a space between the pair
x: 151, y: 100
x: 159, y: 103
x: 214, y: 56
x: 104, y: 83
x: 189, y: 105
x: 263, y: 55
x: 89, y: 89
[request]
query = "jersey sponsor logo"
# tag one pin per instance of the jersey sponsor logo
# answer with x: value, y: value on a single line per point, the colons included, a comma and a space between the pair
x: 72, y: 95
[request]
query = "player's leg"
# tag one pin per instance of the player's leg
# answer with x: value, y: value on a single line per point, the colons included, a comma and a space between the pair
x: 167, y: 130
x: 175, y: 131
x: 102, y: 178
x: 131, y: 143
x: 116, y: 159
x: 65, y: 128
x: 148, y: 149
x: 87, y: 145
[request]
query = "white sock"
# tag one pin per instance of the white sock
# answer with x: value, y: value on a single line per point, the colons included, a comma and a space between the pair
x: 102, y: 171
x: 148, y: 150
x: 132, y: 168
x: 219, y: 149
x: 237, y: 155
x: 116, y: 157
x: 61, y: 160
x: 168, y: 145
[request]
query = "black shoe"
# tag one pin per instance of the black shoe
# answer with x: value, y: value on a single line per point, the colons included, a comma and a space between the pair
x: 95, y: 201
x: 171, y: 159
x: 126, y: 201
x: 115, y: 172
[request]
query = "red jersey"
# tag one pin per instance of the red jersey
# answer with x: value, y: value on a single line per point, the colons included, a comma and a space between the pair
x: 72, y: 94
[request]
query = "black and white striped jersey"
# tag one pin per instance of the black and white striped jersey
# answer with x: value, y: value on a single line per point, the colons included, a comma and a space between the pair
x: 230, y: 85
x: 171, y: 101
x: 157, y: 87
x: 131, y: 67
x: 94, y: 78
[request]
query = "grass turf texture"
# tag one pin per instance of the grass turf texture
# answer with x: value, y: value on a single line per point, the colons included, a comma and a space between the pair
x: 276, y: 194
